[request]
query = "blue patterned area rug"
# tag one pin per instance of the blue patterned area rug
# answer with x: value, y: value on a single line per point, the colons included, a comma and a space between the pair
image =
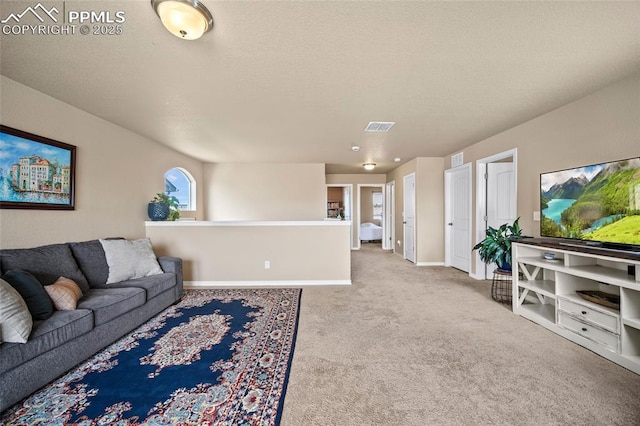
x: 219, y: 357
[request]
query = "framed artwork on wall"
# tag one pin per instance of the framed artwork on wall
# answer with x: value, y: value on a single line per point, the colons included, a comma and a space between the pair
x: 35, y: 172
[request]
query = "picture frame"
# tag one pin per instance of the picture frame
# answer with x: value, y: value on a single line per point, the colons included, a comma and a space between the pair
x: 36, y: 172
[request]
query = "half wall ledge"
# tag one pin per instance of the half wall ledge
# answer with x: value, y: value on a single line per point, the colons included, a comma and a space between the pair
x: 257, y: 253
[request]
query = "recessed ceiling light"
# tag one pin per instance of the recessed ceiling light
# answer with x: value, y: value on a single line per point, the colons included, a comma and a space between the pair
x: 355, y: 148
x: 397, y: 159
x: 379, y: 126
x: 369, y: 166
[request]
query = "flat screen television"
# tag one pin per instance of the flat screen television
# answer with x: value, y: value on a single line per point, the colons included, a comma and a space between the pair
x: 595, y: 205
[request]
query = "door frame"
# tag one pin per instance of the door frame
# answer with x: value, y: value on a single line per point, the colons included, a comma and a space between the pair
x: 447, y: 211
x: 404, y: 240
x: 390, y: 216
x: 382, y: 222
x: 481, y: 201
x: 326, y: 195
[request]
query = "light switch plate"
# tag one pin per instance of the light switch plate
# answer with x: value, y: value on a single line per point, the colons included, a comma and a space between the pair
x: 536, y: 216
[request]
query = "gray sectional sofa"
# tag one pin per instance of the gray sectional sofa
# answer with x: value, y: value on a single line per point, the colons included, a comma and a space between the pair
x: 105, y: 313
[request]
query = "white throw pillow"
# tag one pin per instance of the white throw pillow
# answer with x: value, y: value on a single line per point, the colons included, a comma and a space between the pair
x: 15, y: 318
x: 128, y: 259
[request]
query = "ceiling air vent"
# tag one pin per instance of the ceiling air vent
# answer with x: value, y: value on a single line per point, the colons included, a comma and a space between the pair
x: 457, y: 159
x: 379, y: 126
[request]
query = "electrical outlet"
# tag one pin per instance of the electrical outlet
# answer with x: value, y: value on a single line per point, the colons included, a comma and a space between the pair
x: 399, y: 243
x: 267, y: 264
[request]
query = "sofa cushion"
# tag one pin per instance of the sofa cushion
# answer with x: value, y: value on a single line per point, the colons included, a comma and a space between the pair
x: 92, y: 261
x: 46, y: 263
x: 32, y: 292
x: 153, y: 285
x: 130, y: 259
x: 110, y: 303
x: 64, y: 293
x: 58, y: 329
x: 15, y: 318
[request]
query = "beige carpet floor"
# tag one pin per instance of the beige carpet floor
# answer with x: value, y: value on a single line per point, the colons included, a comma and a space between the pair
x: 407, y: 345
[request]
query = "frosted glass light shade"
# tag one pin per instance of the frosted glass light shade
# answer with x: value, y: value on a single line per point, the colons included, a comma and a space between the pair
x: 187, y: 19
x: 369, y: 166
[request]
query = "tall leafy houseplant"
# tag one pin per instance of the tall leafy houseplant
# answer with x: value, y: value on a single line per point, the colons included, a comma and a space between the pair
x: 171, y: 203
x: 496, y: 247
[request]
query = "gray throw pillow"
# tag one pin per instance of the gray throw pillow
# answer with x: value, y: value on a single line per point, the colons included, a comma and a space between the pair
x: 128, y: 259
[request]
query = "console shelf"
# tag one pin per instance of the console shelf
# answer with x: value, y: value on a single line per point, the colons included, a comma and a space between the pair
x: 612, y: 276
x: 632, y: 322
x: 544, y: 287
x: 539, y: 313
x: 546, y: 278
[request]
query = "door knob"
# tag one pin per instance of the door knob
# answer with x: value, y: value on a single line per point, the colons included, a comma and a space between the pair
x: 450, y: 223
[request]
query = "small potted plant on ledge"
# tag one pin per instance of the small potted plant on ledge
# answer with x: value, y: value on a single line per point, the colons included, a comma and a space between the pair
x: 496, y: 247
x: 163, y: 207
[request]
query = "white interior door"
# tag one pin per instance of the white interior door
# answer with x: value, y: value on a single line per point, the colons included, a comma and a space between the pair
x: 501, y: 199
x: 458, y: 227
x: 409, y: 216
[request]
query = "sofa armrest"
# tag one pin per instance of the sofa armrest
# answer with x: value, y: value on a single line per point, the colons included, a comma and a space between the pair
x: 174, y: 265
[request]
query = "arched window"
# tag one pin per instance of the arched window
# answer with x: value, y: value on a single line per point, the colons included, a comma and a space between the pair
x: 180, y: 184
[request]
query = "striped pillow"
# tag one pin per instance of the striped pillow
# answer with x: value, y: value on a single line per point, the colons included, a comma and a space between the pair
x: 64, y: 293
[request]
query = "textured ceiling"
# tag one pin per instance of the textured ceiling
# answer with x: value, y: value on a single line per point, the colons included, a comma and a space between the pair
x: 297, y: 81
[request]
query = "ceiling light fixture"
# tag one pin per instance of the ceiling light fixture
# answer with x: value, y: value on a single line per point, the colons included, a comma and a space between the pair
x: 355, y: 148
x: 187, y: 19
x: 369, y: 166
x: 397, y: 159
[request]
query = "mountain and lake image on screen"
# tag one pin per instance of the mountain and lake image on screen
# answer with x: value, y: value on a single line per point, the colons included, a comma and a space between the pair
x: 598, y: 203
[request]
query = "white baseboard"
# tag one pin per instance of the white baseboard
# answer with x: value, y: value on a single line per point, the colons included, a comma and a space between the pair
x: 476, y: 276
x: 288, y: 283
x: 429, y: 263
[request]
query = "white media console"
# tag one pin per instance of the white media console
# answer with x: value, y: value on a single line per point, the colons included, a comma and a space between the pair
x: 544, y: 291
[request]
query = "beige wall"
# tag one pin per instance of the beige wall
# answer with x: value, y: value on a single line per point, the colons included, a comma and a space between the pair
x: 356, y: 179
x: 302, y: 252
x: 603, y: 126
x: 118, y: 172
x: 335, y: 193
x: 250, y: 191
x: 430, y: 210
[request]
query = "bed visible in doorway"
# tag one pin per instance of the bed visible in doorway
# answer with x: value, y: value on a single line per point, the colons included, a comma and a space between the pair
x: 370, y: 232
